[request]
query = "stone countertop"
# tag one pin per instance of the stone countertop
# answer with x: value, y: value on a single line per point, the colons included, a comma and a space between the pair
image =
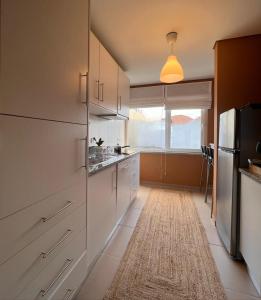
x: 109, y: 162
x: 250, y: 174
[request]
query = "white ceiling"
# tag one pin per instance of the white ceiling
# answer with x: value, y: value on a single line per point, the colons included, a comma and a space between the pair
x: 134, y: 32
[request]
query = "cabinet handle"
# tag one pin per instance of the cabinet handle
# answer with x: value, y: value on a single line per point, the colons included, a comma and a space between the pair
x: 61, y: 240
x: 53, y: 282
x: 82, y: 76
x: 45, y: 219
x: 120, y: 102
x: 97, y: 90
x: 101, y: 85
x: 68, y: 294
x: 85, y: 152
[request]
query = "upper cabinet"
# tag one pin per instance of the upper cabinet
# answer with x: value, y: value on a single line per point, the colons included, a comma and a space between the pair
x: 108, y: 84
x: 41, y: 61
x: 123, y: 93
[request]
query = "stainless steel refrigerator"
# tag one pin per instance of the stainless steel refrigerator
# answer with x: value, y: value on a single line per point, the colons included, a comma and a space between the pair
x: 239, y: 132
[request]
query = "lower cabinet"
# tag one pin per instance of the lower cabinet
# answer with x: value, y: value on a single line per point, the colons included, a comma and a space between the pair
x: 123, y: 187
x: 101, y: 210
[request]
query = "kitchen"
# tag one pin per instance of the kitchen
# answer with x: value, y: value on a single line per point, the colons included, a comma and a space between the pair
x: 106, y: 191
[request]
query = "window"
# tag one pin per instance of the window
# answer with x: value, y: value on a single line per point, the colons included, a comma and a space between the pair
x: 146, y: 127
x: 185, y: 129
x: 157, y: 128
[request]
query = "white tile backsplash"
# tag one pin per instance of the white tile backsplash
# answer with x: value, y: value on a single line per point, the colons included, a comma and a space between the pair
x: 111, y: 131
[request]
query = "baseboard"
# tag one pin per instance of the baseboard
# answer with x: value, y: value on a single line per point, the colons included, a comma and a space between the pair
x: 170, y: 186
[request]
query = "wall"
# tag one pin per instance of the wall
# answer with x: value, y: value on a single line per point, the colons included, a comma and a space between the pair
x: 237, y: 80
x: 111, y: 131
x: 175, y: 169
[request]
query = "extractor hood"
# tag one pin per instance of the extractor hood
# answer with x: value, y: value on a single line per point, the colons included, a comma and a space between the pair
x: 101, y: 112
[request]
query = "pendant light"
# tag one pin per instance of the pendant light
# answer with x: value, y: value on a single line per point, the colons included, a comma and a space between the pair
x: 172, y: 70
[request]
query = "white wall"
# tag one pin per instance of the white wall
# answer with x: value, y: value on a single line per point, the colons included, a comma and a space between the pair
x: 111, y: 131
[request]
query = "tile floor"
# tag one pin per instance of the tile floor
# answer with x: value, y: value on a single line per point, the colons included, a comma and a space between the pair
x: 233, y: 274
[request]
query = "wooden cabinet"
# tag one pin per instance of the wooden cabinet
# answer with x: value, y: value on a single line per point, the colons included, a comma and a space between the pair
x: 123, y: 188
x: 101, y: 210
x: 44, y: 48
x: 38, y: 159
x: 123, y: 93
x: 250, y: 224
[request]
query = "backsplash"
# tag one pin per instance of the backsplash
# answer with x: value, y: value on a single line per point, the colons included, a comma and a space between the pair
x: 111, y: 131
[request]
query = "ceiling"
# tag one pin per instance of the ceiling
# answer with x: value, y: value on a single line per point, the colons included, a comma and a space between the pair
x: 134, y: 32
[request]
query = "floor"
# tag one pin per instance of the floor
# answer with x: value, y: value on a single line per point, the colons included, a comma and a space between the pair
x: 234, y: 276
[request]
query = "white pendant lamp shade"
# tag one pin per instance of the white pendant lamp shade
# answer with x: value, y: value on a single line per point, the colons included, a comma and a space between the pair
x: 172, y: 70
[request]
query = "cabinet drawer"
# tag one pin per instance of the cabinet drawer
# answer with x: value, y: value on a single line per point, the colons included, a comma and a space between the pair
x: 25, y: 226
x: 71, y: 283
x: 38, y: 159
x: 49, y: 279
x: 25, y: 265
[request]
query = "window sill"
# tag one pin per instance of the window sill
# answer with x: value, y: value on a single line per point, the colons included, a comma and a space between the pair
x: 169, y: 151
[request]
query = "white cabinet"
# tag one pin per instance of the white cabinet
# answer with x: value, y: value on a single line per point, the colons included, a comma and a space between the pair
x: 44, y: 48
x: 38, y: 159
x: 94, y: 70
x: 123, y: 93
x: 123, y: 188
x: 250, y: 224
x: 135, y: 175
x: 103, y: 76
x: 101, y: 210
x: 108, y: 80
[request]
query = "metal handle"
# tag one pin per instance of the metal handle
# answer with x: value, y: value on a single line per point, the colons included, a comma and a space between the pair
x: 53, y: 282
x: 45, y: 219
x: 102, y: 85
x: 85, y: 152
x: 84, y: 75
x: 68, y: 294
x: 97, y: 90
x: 120, y: 102
x: 61, y: 240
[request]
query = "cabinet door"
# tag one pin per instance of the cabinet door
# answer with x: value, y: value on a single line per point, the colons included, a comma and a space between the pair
x: 108, y: 80
x: 123, y: 188
x: 38, y: 158
x: 101, y: 211
x: 44, y: 48
x: 135, y: 175
x: 94, y: 71
x: 123, y: 93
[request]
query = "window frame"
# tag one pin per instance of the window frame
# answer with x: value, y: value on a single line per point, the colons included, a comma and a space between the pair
x: 167, y: 148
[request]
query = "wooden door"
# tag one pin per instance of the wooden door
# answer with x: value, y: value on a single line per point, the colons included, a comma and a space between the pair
x: 123, y: 93
x: 44, y: 48
x: 38, y: 159
x: 108, y: 80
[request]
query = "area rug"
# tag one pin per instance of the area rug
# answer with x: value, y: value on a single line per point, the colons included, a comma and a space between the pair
x: 168, y: 256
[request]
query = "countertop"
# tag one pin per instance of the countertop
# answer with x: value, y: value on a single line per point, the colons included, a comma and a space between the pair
x: 109, y: 162
x: 250, y: 174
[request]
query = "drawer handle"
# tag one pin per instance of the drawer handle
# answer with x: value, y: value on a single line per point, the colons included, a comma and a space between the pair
x: 68, y: 294
x: 45, y: 219
x: 61, y: 240
x: 53, y: 282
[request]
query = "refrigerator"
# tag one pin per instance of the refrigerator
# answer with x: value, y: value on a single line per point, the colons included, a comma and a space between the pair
x: 239, y: 132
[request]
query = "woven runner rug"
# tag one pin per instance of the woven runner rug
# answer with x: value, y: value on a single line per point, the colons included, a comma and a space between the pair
x: 168, y: 256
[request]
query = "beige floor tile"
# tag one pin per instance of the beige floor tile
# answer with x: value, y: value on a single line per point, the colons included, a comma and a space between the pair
x: 231, y: 295
x: 131, y: 217
x: 119, y: 241
x: 99, y: 279
x: 233, y: 274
